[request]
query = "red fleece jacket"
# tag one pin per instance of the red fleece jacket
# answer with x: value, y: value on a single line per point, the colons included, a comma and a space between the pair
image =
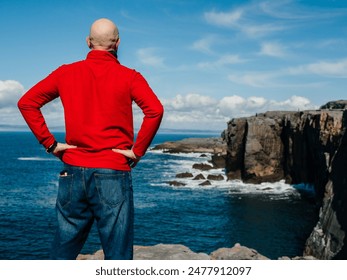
x: 97, y: 96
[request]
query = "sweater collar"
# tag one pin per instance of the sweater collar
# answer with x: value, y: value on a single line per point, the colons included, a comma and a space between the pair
x: 102, y: 55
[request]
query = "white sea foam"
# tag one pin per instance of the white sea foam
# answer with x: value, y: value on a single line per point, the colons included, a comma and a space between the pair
x: 184, y: 163
x: 37, y: 159
x: 189, y: 155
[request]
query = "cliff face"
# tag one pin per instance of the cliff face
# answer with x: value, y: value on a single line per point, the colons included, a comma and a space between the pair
x: 295, y: 146
x: 300, y: 147
x: 328, y: 239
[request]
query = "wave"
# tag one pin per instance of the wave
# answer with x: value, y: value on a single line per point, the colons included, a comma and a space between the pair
x: 37, y: 159
x: 277, y: 190
x: 182, y: 163
x: 188, y: 155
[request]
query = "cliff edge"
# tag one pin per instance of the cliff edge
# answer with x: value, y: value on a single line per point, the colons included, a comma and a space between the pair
x: 307, y: 147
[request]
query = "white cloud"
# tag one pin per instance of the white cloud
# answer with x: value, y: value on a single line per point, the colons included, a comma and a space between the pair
x: 261, y: 18
x: 254, y: 79
x: 294, y: 103
x: 290, y: 10
x: 227, y: 19
x: 272, y: 49
x: 260, y: 30
x: 203, y: 112
x: 204, y: 45
x: 10, y: 92
x: 148, y: 57
x: 246, y: 20
x: 224, y: 60
x: 190, y: 101
x: 337, y: 69
x: 280, y: 78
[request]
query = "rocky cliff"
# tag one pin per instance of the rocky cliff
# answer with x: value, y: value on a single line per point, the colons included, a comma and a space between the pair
x: 301, y: 147
x: 328, y: 239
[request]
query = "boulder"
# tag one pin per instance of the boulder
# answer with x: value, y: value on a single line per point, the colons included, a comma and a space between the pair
x: 184, y: 175
x: 212, y: 177
x: 199, y: 177
x: 237, y: 252
x: 205, y: 183
x: 202, y: 166
x: 176, y: 183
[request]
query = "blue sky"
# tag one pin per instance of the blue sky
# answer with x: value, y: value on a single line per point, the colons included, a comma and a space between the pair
x: 208, y: 61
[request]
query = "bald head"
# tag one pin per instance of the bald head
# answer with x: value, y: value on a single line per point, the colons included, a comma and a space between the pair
x: 103, y: 35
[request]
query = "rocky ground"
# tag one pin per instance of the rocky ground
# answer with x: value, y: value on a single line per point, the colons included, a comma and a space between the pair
x: 181, y: 252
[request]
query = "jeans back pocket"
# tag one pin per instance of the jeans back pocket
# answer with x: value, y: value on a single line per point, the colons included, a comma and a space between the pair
x: 65, y: 189
x: 111, y: 188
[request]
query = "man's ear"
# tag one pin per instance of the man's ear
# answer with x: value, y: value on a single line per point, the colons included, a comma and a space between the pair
x: 88, y: 42
x: 117, y: 43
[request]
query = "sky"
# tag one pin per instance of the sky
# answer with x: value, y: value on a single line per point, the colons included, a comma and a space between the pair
x: 208, y: 61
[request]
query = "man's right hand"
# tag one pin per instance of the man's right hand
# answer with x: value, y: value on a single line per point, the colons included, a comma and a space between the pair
x: 132, y: 158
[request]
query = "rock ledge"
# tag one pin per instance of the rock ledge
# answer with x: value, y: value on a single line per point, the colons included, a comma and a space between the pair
x: 181, y: 252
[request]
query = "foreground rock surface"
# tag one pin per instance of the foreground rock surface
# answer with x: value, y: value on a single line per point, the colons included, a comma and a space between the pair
x: 181, y: 252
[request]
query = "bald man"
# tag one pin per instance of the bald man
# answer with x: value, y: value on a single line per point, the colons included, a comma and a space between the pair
x: 95, y: 181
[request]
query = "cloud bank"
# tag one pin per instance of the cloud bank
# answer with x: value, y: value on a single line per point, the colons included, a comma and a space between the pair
x: 190, y: 111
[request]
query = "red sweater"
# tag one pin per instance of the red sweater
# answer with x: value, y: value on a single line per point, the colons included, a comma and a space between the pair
x: 97, y: 96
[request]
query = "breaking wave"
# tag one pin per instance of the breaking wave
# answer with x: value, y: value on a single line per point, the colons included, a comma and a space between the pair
x: 183, y: 163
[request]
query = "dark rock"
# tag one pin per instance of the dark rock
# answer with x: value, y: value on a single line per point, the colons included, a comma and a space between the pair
x: 212, y: 177
x: 205, y: 183
x: 218, y: 160
x: 202, y: 166
x: 184, y: 175
x: 328, y: 239
x: 335, y: 105
x: 176, y: 183
x: 199, y: 177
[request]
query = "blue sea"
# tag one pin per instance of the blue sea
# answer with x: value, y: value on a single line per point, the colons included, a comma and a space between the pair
x: 274, y: 219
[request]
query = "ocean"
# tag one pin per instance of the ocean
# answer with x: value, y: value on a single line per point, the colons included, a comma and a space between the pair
x: 273, y: 218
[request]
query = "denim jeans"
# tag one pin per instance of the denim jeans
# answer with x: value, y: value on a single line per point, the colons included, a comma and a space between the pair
x: 88, y: 194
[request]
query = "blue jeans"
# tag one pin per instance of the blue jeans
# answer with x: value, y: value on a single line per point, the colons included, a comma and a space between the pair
x: 88, y: 194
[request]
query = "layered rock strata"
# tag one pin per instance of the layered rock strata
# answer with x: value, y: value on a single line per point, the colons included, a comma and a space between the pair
x: 295, y: 146
x: 328, y: 239
x: 301, y: 147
